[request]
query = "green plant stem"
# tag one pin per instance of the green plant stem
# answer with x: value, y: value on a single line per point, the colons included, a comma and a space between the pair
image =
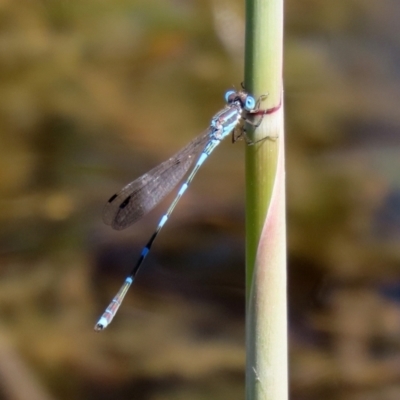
x: 266, y: 319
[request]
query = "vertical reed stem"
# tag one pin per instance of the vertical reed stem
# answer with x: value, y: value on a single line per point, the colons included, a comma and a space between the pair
x: 266, y: 320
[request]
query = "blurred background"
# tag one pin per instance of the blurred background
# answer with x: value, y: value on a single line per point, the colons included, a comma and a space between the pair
x: 95, y: 93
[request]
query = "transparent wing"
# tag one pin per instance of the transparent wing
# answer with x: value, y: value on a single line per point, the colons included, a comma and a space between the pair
x: 140, y: 196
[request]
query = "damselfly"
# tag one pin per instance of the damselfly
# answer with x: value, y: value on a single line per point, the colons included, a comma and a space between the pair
x: 140, y: 196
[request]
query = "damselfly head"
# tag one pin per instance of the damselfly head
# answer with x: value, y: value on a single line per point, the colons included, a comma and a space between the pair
x: 246, y: 100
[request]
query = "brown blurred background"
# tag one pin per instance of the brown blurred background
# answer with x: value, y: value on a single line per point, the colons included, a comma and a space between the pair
x: 93, y: 94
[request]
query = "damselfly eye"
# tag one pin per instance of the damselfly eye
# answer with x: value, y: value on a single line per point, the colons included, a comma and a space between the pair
x: 228, y: 94
x: 250, y: 103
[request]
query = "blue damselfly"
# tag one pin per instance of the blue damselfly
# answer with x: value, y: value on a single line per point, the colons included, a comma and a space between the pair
x: 140, y: 196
